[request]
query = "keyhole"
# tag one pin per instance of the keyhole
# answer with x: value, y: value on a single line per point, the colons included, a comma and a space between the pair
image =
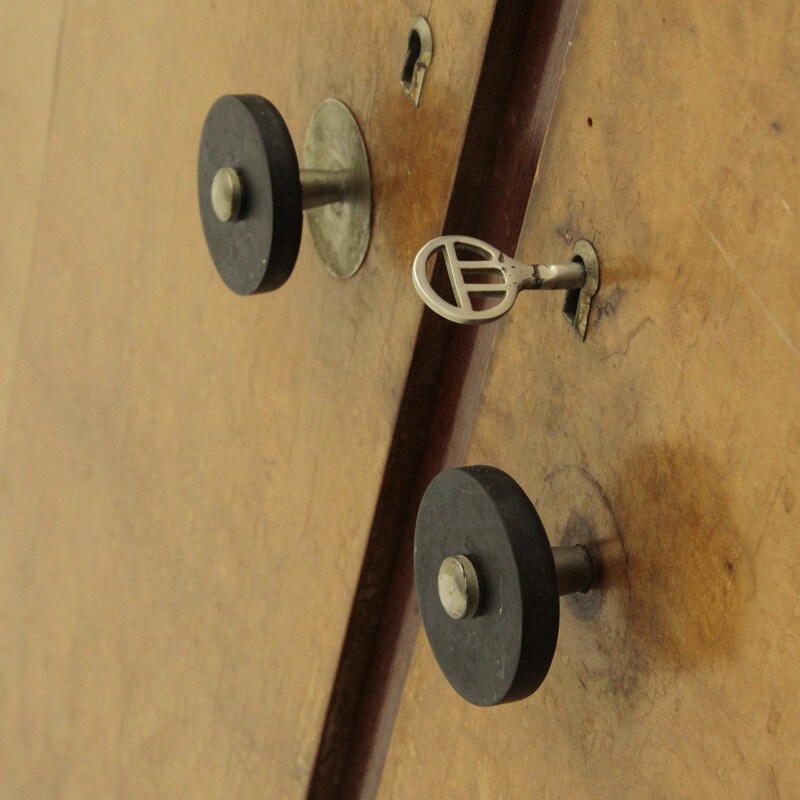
x: 571, y: 298
x: 418, y: 58
x: 414, y: 49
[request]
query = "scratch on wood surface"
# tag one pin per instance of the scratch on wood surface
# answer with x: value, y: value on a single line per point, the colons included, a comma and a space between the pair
x: 773, y: 783
x: 740, y: 275
x: 306, y: 526
x: 25, y: 296
x: 368, y: 117
x: 647, y: 321
x: 389, y: 334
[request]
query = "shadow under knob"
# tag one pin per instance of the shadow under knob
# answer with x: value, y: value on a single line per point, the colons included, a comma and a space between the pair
x: 488, y: 584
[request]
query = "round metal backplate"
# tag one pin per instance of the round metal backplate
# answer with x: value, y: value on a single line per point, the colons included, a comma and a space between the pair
x: 257, y: 251
x: 340, y: 230
x: 504, y: 652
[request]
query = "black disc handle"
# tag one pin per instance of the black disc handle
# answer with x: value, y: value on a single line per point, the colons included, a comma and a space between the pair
x: 252, y: 193
x: 488, y: 584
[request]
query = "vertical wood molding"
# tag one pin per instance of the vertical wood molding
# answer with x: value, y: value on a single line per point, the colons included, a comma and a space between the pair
x: 508, y: 122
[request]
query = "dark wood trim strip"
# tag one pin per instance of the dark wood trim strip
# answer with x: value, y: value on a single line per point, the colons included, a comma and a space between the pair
x: 513, y: 102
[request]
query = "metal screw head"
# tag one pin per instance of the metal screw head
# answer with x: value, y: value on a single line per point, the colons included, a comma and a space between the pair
x: 226, y: 194
x: 459, y: 591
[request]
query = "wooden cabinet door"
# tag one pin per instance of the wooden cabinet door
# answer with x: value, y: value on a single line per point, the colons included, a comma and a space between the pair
x: 669, y: 440
x: 189, y: 478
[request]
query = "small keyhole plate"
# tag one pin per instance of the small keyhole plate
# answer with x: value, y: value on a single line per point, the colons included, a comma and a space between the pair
x: 578, y: 302
x: 418, y: 58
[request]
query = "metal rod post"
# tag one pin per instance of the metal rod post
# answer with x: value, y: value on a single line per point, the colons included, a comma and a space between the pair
x: 574, y: 569
x: 321, y: 186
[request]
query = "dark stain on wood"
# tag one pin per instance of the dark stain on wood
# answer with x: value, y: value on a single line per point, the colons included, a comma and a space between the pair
x: 690, y: 572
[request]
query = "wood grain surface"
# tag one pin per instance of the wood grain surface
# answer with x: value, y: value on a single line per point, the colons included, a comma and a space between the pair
x: 189, y: 477
x: 669, y: 441
x: 29, y: 43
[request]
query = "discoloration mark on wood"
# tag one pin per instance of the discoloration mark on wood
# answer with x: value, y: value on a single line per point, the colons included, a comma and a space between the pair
x: 789, y: 500
x: 690, y: 572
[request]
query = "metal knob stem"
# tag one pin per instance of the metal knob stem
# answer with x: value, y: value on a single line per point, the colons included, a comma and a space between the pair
x: 574, y: 569
x: 321, y: 186
x: 459, y: 585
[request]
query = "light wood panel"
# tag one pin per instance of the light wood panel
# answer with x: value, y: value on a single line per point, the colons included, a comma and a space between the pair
x: 189, y: 477
x: 669, y: 439
x: 29, y: 37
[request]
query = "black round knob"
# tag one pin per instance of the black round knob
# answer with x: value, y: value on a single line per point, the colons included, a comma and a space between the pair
x: 248, y: 183
x: 252, y: 192
x: 488, y: 584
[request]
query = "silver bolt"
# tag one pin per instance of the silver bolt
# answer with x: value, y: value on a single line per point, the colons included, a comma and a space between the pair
x: 459, y: 591
x: 226, y: 194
